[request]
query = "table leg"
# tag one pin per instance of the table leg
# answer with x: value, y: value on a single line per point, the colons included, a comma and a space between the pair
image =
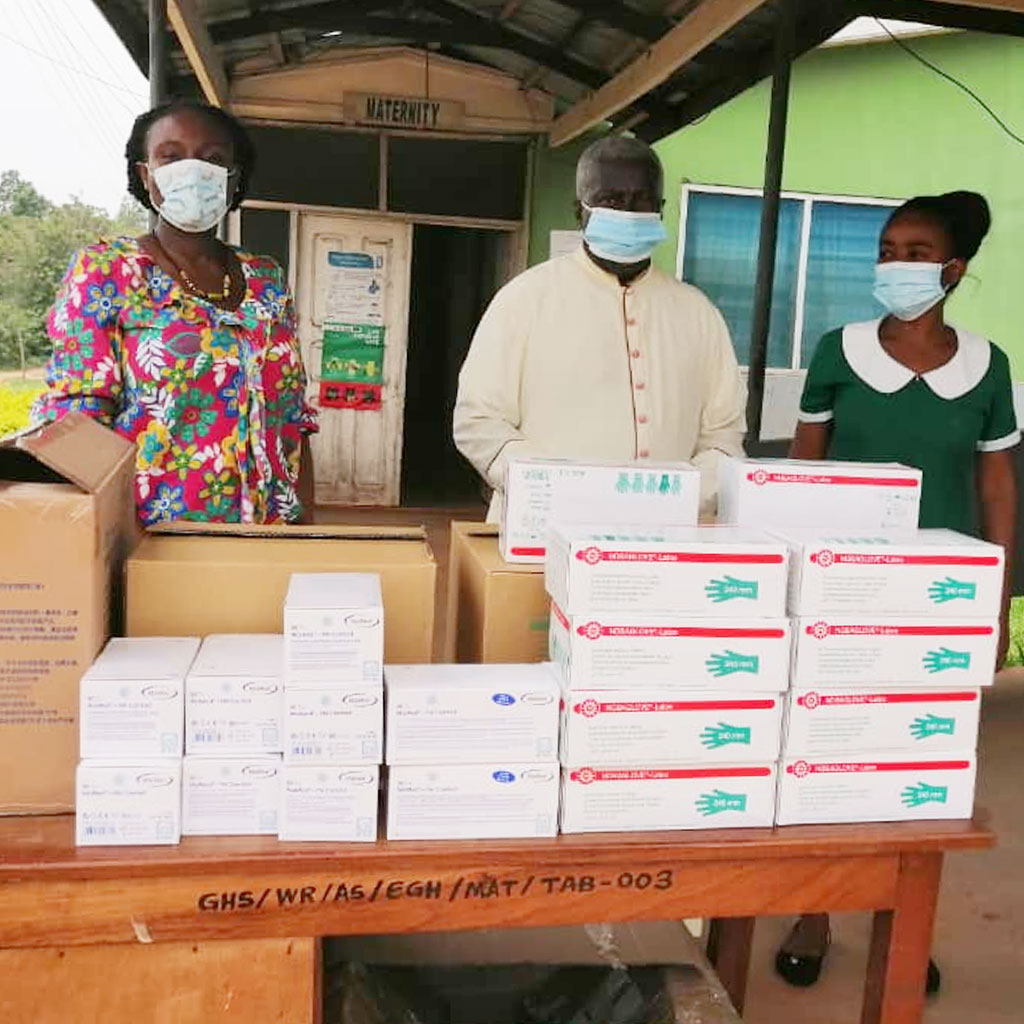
x: 729, y: 943
x: 901, y: 941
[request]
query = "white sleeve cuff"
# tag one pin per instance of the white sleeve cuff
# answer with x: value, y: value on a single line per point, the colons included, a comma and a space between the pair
x: 1000, y: 444
x: 814, y: 417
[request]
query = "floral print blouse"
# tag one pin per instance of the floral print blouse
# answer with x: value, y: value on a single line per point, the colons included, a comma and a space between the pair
x: 213, y: 399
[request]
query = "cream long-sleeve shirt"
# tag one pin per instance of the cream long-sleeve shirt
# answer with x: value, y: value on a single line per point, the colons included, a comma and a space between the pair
x: 569, y: 363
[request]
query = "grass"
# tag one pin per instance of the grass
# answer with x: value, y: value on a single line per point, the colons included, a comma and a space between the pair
x: 1015, y: 656
x: 16, y: 398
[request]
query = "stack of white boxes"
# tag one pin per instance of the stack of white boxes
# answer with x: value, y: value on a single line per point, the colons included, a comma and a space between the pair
x: 472, y: 751
x: 894, y: 634
x: 132, y: 713
x: 674, y: 651
x: 231, y: 780
x: 333, y: 707
x: 541, y: 492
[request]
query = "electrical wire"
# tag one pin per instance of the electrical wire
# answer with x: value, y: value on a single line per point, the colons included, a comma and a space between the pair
x: 69, y: 67
x: 953, y: 81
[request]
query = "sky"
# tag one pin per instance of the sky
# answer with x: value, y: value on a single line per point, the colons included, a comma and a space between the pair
x: 71, y: 91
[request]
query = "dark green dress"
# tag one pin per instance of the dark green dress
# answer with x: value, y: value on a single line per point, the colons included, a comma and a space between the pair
x: 881, y: 411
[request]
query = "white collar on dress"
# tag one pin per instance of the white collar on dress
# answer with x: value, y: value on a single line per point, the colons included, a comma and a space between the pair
x: 869, y: 361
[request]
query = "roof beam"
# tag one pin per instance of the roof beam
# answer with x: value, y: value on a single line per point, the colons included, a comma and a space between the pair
x: 130, y: 28
x: 322, y: 15
x: 814, y: 26
x: 699, y: 29
x: 190, y: 28
x: 973, y: 17
x: 508, y: 38
x: 626, y: 19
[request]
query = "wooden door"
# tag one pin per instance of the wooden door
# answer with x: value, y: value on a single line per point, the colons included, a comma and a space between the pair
x: 357, y: 454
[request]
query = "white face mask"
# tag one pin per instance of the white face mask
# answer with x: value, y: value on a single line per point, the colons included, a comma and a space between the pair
x: 195, y: 194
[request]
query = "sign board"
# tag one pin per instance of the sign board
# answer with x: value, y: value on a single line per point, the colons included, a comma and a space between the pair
x: 403, y: 111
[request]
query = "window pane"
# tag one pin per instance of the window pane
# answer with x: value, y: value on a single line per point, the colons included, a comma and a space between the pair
x: 720, y: 258
x: 840, y: 268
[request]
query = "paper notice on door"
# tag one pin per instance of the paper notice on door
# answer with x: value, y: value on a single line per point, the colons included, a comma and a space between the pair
x: 354, y: 288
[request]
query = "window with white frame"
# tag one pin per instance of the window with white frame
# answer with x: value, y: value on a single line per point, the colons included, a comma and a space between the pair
x: 824, y: 263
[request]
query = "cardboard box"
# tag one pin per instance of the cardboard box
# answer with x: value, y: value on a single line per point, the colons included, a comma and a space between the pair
x: 876, y: 787
x: 67, y: 519
x: 333, y: 629
x: 497, y: 611
x: 329, y: 803
x: 469, y: 714
x: 937, y: 573
x: 133, y: 698
x: 878, y: 651
x: 128, y: 803
x: 650, y: 725
x: 178, y: 578
x: 334, y: 725
x: 840, y: 495
x: 496, y: 800
x: 724, y: 571
x: 234, y: 695
x: 665, y: 650
x: 649, y: 798
x: 832, y: 723
x: 540, y: 492
x: 230, y: 796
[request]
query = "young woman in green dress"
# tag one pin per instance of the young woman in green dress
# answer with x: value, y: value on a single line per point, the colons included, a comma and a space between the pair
x: 914, y: 389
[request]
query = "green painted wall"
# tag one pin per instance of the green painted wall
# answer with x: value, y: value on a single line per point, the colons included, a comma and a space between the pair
x: 865, y: 120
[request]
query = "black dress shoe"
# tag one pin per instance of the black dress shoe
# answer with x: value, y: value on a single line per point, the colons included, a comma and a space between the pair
x: 801, y: 971
x: 934, y: 980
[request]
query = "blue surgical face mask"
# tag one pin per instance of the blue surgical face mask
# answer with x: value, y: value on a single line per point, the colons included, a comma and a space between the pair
x: 909, y: 290
x: 195, y: 194
x: 622, y: 236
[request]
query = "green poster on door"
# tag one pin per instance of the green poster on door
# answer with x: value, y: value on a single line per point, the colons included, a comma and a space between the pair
x: 353, y: 353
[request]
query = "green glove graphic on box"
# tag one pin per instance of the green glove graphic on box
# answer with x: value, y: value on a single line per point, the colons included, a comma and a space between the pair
x: 944, y: 659
x: 719, y: 801
x: 729, y: 589
x: 723, y: 735
x: 950, y: 589
x: 922, y: 793
x: 730, y: 662
x: 932, y: 725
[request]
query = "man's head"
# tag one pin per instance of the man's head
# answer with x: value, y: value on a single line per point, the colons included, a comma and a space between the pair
x: 623, y: 176
x: 619, y: 173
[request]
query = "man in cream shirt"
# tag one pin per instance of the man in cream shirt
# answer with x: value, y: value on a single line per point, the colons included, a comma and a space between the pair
x: 598, y: 354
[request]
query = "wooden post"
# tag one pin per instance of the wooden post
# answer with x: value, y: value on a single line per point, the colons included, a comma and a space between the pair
x: 773, y: 163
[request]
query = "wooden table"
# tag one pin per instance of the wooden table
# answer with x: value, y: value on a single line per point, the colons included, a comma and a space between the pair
x: 53, y: 894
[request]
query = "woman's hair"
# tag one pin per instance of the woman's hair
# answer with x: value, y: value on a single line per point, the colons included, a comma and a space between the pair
x: 963, y: 216
x: 135, y: 150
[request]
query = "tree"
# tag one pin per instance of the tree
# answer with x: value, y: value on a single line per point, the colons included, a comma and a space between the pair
x: 34, y: 252
x: 20, y: 198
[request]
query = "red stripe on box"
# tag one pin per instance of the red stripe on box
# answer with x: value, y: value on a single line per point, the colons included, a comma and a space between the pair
x: 763, y: 477
x: 588, y: 775
x: 814, y: 700
x: 590, y: 708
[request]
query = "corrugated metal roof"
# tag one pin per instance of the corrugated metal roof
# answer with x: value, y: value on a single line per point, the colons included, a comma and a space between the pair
x: 566, y: 47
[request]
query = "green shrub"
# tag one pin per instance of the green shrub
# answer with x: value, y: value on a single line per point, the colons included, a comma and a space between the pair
x: 16, y: 398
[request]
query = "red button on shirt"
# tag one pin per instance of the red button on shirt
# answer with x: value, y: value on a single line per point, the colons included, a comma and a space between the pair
x: 640, y: 385
x: 641, y: 419
x: 635, y: 353
x: 644, y: 453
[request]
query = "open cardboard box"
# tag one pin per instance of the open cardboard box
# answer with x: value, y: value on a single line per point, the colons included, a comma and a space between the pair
x: 67, y: 519
x: 194, y: 579
x: 480, y: 972
x: 497, y: 611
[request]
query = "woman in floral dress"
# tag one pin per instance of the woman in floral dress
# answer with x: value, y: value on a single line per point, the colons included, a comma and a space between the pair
x: 183, y: 345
